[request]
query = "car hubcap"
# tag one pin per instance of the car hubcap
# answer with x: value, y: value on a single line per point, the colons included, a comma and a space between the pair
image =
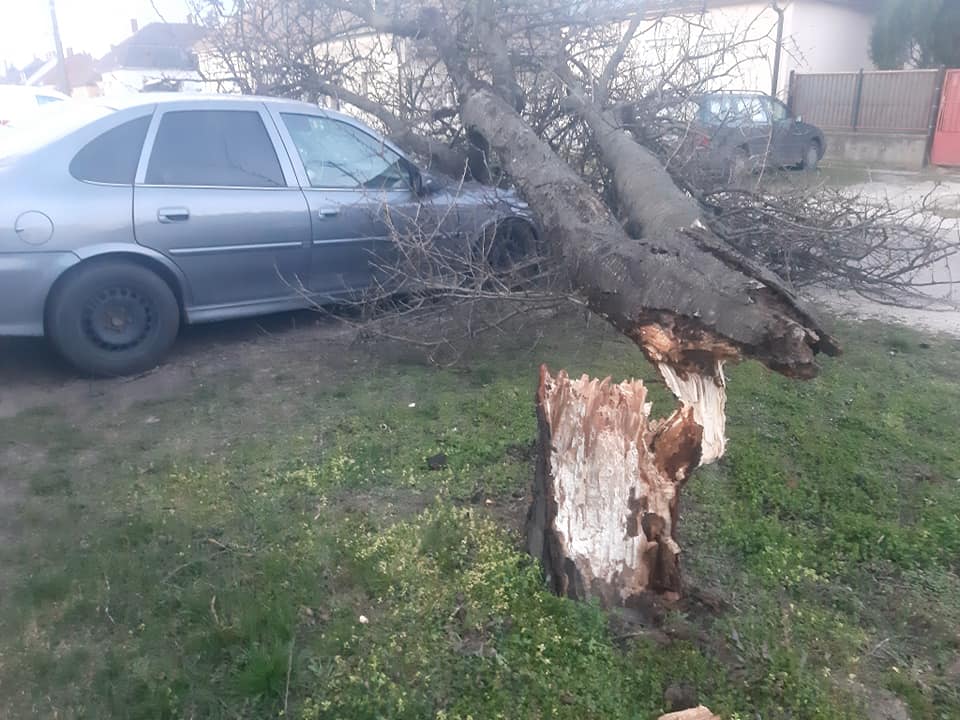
x: 117, y: 319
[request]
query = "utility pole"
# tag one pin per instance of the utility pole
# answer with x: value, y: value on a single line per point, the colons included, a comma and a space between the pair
x: 61, y: 61
x: 778, y: 51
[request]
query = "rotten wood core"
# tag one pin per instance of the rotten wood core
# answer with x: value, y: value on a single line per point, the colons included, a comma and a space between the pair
x: 607, y: 488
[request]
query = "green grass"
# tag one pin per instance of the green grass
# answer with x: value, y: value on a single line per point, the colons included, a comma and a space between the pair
x: 242, y: 548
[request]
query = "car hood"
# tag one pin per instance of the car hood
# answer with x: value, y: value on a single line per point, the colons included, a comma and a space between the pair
x: 475, y: 193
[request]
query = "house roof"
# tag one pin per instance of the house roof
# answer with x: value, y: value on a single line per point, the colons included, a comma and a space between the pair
x: 158, y: 46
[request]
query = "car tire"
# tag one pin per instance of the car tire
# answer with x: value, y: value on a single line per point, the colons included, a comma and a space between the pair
x: 811, y: 157
x: 112, y: 318
x: 510, y: 252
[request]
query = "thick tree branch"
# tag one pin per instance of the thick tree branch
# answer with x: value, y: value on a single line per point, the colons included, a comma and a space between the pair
x: 679, y: 303
x: 497, y: 54
x: 670, y: 218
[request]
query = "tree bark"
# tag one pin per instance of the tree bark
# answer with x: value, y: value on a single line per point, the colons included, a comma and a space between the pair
x: 607, y: 489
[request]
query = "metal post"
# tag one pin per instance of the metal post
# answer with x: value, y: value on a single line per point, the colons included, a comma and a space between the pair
x: 61, y: 62
x: 791, y: 92
x: 857, y: 97
x: 935, y: 112
x: 778, y: 51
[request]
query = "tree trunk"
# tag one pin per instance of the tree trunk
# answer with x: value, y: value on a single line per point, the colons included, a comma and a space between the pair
x: 607, y: 489
x: 684, y: 306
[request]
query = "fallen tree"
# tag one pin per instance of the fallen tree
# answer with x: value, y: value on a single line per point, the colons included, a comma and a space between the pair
x: 647, y: 255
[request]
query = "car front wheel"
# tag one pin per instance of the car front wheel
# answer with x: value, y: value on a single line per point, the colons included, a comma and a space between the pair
x: 112, y: 318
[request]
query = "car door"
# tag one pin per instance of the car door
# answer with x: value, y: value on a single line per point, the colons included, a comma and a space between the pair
x: 757, y: 130
x: 789, y: 138
x: 214, y: 195
x: 360, y: 197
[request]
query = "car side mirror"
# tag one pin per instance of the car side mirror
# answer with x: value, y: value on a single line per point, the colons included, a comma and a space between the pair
x: 416, y: 179
x: 422, y: 184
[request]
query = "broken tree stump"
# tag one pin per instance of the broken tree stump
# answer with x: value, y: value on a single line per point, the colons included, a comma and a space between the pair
x: 697, y: 713
x: 607, y: 488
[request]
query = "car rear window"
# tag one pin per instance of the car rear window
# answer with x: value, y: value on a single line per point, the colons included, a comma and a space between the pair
x: 113, y: 156
x: 218, y: 148
x: 51, y: 123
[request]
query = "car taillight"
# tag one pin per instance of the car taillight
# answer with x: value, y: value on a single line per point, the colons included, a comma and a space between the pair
x: 703, y: 141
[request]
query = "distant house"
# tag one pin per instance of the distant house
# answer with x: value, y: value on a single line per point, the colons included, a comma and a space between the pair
x: 158, y: 56
x: 16, y: 76
x: 82, y: 75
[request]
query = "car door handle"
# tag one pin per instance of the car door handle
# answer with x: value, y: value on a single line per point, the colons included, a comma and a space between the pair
x: 328, y: 212
x: 172, y: 215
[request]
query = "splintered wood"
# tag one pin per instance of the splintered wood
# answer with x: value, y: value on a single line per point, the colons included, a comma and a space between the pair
x: 608, y: 480
x: 697, y: 713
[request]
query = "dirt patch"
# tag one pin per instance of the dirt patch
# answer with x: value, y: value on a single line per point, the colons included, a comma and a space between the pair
x: 33, y: 377
x: 883, y: 704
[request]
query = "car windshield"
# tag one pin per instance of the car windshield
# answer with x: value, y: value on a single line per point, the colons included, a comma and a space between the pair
x: 50, y: 123
x: 733, y: 110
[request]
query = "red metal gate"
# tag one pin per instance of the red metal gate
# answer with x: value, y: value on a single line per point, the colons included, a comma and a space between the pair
x: 946, y: 139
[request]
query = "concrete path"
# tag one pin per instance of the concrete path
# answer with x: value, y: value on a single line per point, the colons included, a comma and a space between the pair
x: 942, y: 194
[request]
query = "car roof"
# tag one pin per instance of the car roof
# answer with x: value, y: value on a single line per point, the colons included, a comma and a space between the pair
x: 122, y: 102
x: 30, y: 91
x: 733, y: 93
x: 172, y: 99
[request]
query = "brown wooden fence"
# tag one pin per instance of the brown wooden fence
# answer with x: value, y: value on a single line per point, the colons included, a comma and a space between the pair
x: 881, y: 101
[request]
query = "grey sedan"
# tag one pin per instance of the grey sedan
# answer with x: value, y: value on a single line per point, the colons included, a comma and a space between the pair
x: 122, y: 223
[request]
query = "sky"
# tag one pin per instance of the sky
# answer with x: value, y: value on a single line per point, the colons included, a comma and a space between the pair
x: 85, y: 25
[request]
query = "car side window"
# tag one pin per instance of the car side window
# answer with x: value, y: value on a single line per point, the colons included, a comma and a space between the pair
x: 778, y: 111
x: 755, y: 110
x: 47, y: 99
x: 338, y: 155
x: 113, y: 156
x: 217, y: 148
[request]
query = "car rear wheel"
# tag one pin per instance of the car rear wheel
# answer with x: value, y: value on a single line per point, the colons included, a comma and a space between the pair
x: 113, y: 318
x: 811, y: 157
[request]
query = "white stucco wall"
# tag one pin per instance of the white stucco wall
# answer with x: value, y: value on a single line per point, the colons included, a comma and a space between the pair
x: 818, y: 37
x: 827, y: 38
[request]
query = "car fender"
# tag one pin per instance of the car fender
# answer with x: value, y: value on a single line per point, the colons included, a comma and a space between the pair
x: 90, y: 252
x: 506, y: 218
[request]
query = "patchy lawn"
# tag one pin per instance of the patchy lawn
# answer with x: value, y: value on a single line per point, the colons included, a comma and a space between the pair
x: 267, y: 540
